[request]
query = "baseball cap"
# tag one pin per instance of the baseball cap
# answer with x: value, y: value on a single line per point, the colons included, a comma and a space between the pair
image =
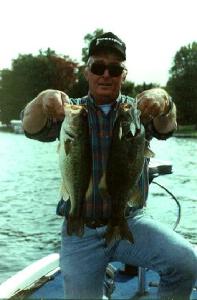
x: 107, y: 40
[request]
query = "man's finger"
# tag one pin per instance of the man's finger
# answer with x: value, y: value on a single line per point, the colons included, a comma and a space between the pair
x: 64, y: 98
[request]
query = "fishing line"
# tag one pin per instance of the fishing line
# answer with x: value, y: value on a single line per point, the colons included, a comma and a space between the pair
x: 175, y: 199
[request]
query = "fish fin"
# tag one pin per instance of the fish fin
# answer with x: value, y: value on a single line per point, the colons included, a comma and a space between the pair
x: 88, y: 193
x: 136, y: 198
x: 120, y: 132
x: 58, y: 147
x: 75, y: 225
x: 117, y: 233
x: 103, y: 186
x: 148, y: 153
x: 63, y: 192
x: 133, y: 129
x: 138, y: 122
x: 67, y: 146
x: 135, y: 114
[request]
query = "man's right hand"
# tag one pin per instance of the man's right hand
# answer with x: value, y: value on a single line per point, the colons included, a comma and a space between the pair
x: 49, y: 103
x: 53, y: 102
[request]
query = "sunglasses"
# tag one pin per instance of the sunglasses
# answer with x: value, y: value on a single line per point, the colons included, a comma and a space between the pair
x: 114, y: 70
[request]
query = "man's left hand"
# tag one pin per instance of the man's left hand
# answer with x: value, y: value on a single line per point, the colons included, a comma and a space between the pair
x: 152, y: 103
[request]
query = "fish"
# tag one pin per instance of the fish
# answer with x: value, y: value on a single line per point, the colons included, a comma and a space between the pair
x: 75, y: 164
x: 124, y: 167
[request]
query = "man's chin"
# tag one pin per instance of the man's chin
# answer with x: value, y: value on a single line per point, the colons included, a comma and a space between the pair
x: 105, y: 92
x: 102, y: 98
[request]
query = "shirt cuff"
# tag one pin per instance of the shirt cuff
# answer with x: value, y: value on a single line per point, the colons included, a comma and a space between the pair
x: 152, y: 132
x: 46, y: 134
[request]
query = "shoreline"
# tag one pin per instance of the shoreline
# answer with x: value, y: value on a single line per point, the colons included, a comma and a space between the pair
x: 186, y: 131
x: 185, y: 135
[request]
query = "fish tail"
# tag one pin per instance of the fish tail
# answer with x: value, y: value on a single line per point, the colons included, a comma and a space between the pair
x: 75, y: 225
x: 63, y: 192
x: 117, y: 233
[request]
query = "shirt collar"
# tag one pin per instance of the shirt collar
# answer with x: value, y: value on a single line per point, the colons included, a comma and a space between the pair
x: 115, y: 103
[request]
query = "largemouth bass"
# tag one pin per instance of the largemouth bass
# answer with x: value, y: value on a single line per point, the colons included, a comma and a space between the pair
x: 124, y: 167
x: 75, y: 164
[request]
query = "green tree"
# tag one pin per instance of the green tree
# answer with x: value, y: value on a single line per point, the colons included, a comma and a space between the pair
x: 80, y: 88
x: 128, y: 88
x: 182, y: 84
x: 144, y: 86
x: 30, y: 75
x: 87, y: 39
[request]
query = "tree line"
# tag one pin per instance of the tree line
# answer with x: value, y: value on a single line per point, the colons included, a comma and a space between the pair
x: 30, y: 74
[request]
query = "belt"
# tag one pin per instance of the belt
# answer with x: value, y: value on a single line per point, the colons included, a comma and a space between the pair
x: 93, y: 224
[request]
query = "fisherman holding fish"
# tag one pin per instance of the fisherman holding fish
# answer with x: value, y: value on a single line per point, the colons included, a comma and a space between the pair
x: 103, y: 158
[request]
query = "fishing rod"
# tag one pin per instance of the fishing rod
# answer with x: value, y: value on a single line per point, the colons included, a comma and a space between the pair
x: 175, y: 199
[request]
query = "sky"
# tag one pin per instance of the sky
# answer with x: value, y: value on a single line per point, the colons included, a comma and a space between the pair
x: 153, y: 30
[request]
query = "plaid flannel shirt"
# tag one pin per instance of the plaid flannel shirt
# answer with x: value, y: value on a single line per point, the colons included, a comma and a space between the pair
x: 101, y: 127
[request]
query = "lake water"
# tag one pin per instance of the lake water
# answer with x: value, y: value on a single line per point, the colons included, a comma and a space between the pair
x: 29, y: 189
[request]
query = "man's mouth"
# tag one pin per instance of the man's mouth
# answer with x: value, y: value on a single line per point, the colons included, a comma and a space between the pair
x: 105, y: 84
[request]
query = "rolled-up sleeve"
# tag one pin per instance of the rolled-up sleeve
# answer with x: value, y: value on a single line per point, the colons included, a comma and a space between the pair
x: 51, y: 131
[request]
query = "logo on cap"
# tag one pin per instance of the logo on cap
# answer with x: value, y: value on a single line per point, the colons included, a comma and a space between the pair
x: 99, y: 40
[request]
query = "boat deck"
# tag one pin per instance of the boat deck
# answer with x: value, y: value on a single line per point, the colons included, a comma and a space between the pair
x: 126, y: 287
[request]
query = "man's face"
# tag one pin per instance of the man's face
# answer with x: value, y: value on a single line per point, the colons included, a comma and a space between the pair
x: 105, y: 86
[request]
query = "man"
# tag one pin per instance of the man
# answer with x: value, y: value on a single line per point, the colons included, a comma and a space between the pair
x: 155, y: 246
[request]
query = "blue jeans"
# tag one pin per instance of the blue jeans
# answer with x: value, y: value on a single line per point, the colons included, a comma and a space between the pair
x: 83, y: 261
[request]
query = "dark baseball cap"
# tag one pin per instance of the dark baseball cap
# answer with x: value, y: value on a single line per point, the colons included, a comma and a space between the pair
x: 107, y: 41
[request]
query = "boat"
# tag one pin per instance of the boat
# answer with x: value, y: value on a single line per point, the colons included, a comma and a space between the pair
x: 16, y: 126
x: 43, y: 279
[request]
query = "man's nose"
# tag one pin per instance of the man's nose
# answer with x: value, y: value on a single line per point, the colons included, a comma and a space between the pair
x: 106, y: 73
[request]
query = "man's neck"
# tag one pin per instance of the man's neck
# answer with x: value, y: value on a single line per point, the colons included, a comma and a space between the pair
x: 103, y: 99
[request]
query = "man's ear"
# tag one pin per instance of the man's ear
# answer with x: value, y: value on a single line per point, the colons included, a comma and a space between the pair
x: 85, y: 73
x: 124, y: 75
